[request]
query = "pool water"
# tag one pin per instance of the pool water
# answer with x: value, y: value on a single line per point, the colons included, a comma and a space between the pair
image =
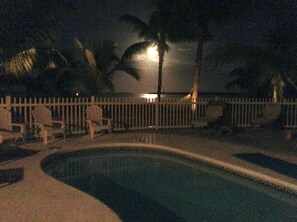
x: 144, y: 185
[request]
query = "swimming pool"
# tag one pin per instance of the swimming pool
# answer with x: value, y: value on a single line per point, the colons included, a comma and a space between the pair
x: 149, y: 185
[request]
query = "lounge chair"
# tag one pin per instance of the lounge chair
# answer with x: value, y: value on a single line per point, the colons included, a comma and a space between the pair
x: 46, y: 126
x: 95, y: 120
x: 271, y: 113
x: 213, y: 112
x: 8, y: 129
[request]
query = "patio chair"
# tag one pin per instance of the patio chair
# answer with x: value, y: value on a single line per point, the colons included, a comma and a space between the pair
x: 214, y: 111
x: 270, y: 115
x: 46, y: 126
x: 95, y: 120
x: 8, y: 130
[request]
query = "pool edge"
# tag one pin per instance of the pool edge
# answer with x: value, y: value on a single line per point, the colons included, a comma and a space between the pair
x: 238, y: 170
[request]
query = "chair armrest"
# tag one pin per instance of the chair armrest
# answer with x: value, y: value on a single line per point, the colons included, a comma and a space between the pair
x: 38, y: 124
x: 21, y: 126
x: 220, y: 119
x: 88, y: 121
x: 59, y: 122
x: 107, y: 119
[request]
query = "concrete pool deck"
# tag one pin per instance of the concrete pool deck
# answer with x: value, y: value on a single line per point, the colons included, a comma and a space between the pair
x: 33, y: 196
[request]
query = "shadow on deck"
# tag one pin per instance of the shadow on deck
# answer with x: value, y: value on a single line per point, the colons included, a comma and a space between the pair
x: 277, y: 165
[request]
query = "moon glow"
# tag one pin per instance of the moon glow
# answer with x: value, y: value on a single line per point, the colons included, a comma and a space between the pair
x: 152, y: 53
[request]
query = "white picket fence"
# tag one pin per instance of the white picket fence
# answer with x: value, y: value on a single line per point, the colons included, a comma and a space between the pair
x: 140, y: 113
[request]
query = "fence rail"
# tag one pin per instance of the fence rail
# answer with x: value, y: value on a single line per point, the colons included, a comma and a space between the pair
x: 140, y: 113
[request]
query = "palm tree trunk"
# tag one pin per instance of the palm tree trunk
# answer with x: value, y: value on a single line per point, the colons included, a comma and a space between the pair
x: 277, y: 87
x: 278, y: 92
x: 160, y: 73
x: 197, y: 74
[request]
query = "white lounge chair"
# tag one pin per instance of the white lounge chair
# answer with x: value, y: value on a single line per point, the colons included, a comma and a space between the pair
x: 46, y: 126
x: 270, y: 114
x: 95, y: 120
x: 8, y: 129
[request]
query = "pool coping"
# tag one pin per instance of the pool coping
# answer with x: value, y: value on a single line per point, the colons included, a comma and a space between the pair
x: 51, y: 188
x: 231, y: 168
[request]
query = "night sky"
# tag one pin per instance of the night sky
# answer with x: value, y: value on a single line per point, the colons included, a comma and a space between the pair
x: 99, y: 20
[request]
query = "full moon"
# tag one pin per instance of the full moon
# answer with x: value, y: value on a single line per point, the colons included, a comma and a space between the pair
x: 152, y: 53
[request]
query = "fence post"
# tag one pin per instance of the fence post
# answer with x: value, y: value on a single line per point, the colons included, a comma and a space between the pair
x: 92, y: 100
x: 157, y: 113
x: 8, y: 102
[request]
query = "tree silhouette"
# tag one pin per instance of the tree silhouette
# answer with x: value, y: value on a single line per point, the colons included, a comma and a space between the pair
x: 28, y: 31
x: 269, y: 68
x: 191, y: 20
x: 100, y: 65
x: 265, y: 69
x: 153, y: 33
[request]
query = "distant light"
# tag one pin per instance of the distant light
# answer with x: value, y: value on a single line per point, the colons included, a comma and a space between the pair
x: 149, y: 96
x: 77, y: 94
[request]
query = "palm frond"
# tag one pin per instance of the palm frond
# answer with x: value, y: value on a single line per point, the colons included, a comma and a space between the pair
x: 137, y: 48
x: 137, y: 24
x: 164, y: 46
x: 127, y: 68
x: 90, y: 58
x: 291, y: 82
x: 58, y: 58
x: 105, y: 56
x: 35, y: 58
x: 156, y: 27
x: 108, y: 83
x: 80, y: 51
x: 78, y: 44
x: 21, y: 63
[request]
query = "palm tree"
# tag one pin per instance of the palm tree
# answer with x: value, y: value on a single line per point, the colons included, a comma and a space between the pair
x: 100, y: 65
x: 266, y: 69
x: 269, y: 68
x: 50, y: 70
x: 192, y: 19
x: 109, y: 63
x: 34, y: 60
x: 28, y: 33
x: 153, y: 33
